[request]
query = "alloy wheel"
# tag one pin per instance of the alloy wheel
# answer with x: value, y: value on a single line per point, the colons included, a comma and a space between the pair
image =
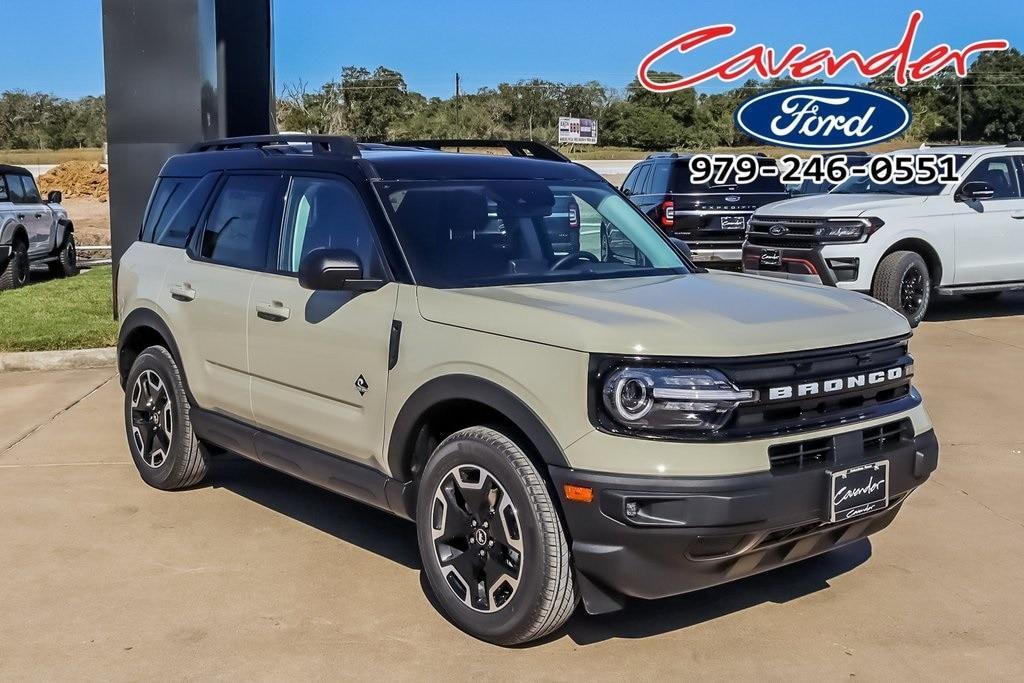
x: 152, y: 419
x: 912, y: 291
x: 477, y: 537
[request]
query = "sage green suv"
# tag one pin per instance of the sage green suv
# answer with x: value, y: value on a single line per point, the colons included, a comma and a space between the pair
x: 391, y: 322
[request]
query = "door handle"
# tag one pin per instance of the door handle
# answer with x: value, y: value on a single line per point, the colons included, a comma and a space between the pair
x: 1019, y: 215
x: 183, y: 292
x: 275, y: 312
x: 21, y: 216
x: 39, y: 215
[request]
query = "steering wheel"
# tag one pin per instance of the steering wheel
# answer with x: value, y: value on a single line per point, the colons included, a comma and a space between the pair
x: 573, y: 258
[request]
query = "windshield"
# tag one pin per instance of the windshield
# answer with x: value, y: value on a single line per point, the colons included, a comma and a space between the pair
x: 864, y: 185
x: 473, y: 233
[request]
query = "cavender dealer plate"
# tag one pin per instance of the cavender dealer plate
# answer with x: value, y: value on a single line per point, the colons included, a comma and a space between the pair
x: 858, y: 491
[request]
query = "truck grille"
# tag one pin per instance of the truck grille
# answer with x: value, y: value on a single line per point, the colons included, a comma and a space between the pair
x: 820, y: 410
x: 876, y: 441
x: 799, y: 231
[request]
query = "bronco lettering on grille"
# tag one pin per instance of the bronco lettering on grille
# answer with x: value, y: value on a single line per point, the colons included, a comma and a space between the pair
x: 832, y: 386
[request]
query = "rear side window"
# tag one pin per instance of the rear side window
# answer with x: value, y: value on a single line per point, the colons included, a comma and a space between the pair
x: 641, y: 180
x: 659, y: 179
x: 168, y: 198
x: 16, y: 189
x: 4, y: 195
x: 630, y: 180
x: 238, y: 225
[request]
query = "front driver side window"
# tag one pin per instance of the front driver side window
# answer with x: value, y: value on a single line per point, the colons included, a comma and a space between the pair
x: 326, y: 213
x: 999, y: 174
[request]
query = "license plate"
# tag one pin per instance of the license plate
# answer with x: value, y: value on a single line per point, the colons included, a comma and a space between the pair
x: 771, y: 258
x: 858, y: 491
x: 733, y: 222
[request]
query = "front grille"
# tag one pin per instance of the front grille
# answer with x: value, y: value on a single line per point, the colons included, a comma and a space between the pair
x: 884, y: 437
x: 801, y: 453
x: 800, y: 231
x: 766, y: 417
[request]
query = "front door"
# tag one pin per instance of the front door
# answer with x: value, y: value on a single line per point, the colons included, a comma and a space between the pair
x: 319, y: 359
x: 990, y: 232
x: 31, y: 212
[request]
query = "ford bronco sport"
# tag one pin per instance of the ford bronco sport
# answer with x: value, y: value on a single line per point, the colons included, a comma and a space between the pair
x: 31, y: 230
x: 560, y: 427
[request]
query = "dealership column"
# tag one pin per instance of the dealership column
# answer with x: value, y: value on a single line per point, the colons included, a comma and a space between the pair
x: 178, y: 72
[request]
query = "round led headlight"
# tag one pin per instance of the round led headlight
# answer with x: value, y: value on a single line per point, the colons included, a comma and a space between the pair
x: 666, y: 398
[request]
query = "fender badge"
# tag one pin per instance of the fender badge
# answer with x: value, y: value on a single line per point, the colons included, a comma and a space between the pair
x: 362, y: 386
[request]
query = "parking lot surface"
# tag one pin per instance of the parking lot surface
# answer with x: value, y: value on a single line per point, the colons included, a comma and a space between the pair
x: 256, y: 576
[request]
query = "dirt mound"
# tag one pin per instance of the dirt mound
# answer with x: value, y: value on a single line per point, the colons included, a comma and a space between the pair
x: 77, y: 179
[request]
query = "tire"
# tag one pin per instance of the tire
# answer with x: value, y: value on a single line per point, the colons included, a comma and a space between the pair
x: 983, y: 296
x: 454, y: 523
x: 171, y: 458
x: 903, y: 282
x: 66, y: 264
x: 15, y: 272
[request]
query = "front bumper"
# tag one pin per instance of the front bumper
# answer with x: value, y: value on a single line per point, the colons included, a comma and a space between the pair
x: 688, y: 533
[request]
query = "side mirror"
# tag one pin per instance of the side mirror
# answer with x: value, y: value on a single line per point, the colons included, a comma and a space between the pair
x: 681, y: 246
x: 334, y: 270
x: 976, y: 190
x: 55, y: 197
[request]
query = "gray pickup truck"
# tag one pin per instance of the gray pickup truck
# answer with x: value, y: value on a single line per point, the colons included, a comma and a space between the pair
x: 32, y: 230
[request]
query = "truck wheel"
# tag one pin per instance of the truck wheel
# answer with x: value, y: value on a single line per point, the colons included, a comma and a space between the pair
x: 491, y: 541
x: 156, y: 415
x: 15, y: 272
x: 903, y: 282
x: 66, y: 264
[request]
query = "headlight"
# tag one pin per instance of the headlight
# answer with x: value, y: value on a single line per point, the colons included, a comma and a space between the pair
x: 663, y: 398
x: 847, y: 229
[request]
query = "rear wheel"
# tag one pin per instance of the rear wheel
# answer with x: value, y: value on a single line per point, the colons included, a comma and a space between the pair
x: 903, y: 282
x: 157, y: 420
x: 66, y: 264
x: 491, y: 541
x: 15, y: 272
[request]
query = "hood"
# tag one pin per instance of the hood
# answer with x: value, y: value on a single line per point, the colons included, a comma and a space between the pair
x: 711, y: 314
x: 836, y: 205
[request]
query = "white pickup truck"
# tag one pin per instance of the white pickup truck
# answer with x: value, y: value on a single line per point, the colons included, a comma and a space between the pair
x: 902, y: 243
x: 32, y: 230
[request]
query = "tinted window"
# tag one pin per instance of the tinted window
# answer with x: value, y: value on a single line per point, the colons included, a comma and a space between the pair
x: 31, y: 192
x: 441, y: 226
x: 681, y: 181
x: 16, y: 189
x: 641, y: 180
x: 4, y: 196
x: 326, y: 214
x: 239, y: 222
x: 168, y: 197
x: 999, y: 174
x: 659, y: 179
x: 630, y: 180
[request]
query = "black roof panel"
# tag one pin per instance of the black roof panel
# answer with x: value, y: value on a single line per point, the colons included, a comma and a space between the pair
x: 7, y: 169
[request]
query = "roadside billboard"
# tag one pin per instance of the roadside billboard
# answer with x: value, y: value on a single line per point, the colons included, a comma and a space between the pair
x: 577, y: 131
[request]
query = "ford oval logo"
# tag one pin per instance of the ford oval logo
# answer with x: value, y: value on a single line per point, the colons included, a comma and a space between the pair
x: 823, y: 117
x: 732, y: 198
x: 778, y: 230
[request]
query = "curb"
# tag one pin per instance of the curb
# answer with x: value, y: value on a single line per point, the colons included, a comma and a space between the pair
x: 77, y: 359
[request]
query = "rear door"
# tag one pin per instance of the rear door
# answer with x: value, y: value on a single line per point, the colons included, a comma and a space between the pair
x: 207, y: 289
x: 989, y: 233
x: 319, y: 359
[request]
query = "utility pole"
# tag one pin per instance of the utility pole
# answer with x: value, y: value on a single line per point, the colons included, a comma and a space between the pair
x: 458, y: 130
x: 959, y: 112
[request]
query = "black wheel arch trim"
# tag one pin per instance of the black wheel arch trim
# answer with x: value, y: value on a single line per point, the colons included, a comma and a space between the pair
x: 147, y: 318
x: 65, y: 227
x: 467, y: 387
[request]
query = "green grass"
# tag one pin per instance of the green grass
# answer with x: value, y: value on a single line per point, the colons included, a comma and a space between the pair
x: 71, y: 313
x: 22, y: 157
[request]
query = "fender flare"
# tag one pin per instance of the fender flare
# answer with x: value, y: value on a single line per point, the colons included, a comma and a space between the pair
x: 8, y: 232
x: 468, y: 387
x: 65, y: 227
x: 147, y: 318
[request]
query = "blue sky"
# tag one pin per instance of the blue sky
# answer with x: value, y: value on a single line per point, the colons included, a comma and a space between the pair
x: 489, y: 41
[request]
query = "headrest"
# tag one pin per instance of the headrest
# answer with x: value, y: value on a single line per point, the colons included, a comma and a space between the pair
x: 445, y: 213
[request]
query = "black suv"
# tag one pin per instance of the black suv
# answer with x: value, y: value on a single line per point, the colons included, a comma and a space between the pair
x: 712, y: 219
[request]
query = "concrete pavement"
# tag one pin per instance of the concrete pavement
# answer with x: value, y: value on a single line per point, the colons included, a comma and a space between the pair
x: 256, y: 576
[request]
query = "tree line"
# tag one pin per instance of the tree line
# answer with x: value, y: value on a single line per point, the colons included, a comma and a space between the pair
x: 986, y: 106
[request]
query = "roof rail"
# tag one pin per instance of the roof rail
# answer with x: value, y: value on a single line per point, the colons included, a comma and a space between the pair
x: 663, y: 155
x: 1015, y: 143
x: 517, y: 148
x: 322, y: 144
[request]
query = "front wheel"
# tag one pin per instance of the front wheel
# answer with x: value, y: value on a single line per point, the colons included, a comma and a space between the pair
x: 903, y: 282
x: 492, y: 543
x: 66, y: 264
x: 15, y: 272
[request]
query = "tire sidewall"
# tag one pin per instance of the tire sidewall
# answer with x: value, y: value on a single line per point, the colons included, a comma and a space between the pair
x: 69, y: 256
x: 19, y: 262
x: 520, y: 610
x: 905, y: 262
x: 159, y: 361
